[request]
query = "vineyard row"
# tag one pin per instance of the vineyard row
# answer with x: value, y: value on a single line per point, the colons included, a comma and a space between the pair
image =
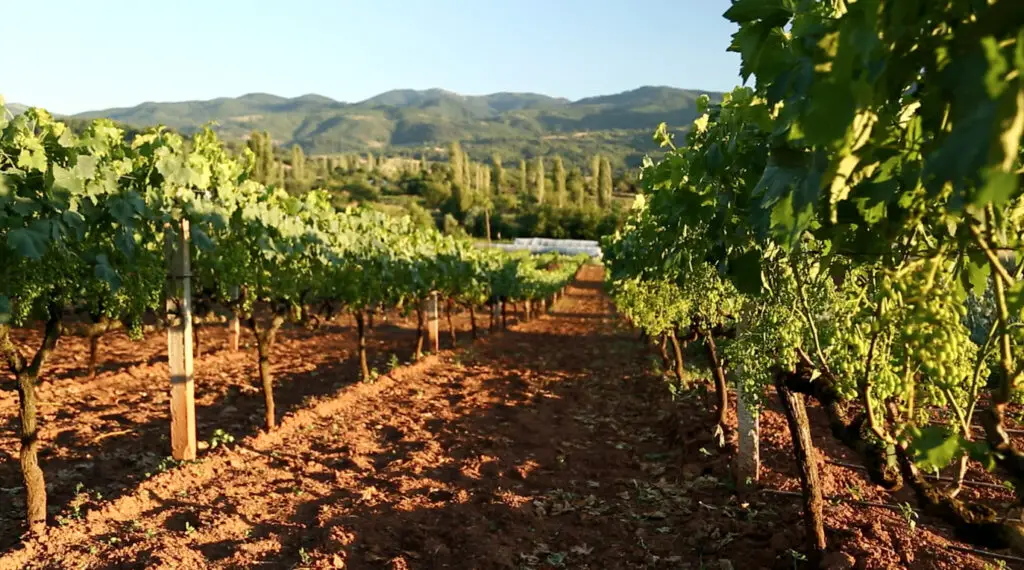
x: 850, y: 229
x: 101, y: 232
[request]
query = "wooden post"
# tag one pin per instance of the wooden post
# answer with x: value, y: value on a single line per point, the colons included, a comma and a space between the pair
x: 235, y: 325
x: 433, y: 324
x: 236, y: 332
x: 748, y: 460
x: 179, y: 342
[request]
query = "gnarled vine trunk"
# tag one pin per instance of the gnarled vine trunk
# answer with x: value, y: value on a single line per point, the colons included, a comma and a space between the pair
x: 972, y: 523
x: 472, y: 320
x: 361, y: 329
x: 420, y: 333
x: 100, y: 326
x: 448, y: 316
x: 196, y: 350
x: 678, y: 351
x: 504, y: 315
x: 721, y: 389
x: 26, y: 375
x: 265, y: 337
x: 94, y: 349
x: 803, y: 450
x: 872, y: 451
x: 666, y: 362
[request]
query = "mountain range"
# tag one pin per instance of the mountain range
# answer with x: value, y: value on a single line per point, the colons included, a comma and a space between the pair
x: 514, y: 124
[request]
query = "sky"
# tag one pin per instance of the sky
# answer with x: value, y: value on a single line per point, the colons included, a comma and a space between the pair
x: 74, y: 56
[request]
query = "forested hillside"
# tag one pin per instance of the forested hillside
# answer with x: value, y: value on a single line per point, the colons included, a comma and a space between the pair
x: 412, y: 122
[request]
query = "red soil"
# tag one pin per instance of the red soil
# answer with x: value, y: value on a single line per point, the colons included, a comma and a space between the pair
x: 550, y: 445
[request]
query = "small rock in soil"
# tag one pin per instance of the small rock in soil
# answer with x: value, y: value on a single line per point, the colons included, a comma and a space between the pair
x: 838, y: 561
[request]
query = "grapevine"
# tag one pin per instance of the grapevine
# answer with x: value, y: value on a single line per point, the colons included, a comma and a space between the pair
x: 84, y: 221
x: 864, y: 199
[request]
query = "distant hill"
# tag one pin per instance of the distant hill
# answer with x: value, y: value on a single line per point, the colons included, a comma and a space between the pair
x: 16, y: 108
x: 514, y: 124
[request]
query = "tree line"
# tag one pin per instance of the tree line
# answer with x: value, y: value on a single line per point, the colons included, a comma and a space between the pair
x: 495, y: 199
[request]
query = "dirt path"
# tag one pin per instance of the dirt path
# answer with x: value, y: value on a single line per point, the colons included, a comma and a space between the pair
x: 547, y: 446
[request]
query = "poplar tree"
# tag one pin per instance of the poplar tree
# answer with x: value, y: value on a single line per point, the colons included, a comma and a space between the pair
x: 263, y: 150
x: 559, y: 182
x: 467, y: 169
x: 298, y: 163
x: 455, y: 164
x: 497, y: 173
x: 522, y: 178
x: 595, y: 174
x: 575, y: 187
x: 539, y: 173
x: 605, y: 185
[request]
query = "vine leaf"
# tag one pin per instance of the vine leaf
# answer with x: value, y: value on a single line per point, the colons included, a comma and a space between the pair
x: 1015, y: 298
x: 976, y: 274
x: 105, y: 272
x: 934, y: 448
x: 745, y: 272
x: 31, y: 241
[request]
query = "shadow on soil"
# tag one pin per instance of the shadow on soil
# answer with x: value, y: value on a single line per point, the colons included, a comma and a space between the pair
x: 111, y: 464
x: 581, y: 442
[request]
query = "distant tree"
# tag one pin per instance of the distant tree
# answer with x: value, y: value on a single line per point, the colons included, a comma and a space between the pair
x: 263, y: 168
x: 298, y: 163
x: 539, y: 180
x: 595, y: 174
x: 420, y: 216
x: 497, y: 173
x: 575, y: 187
x: 361, y: 190
x: 462, y: 199
x: 423, y: 163
x: 371, y: 162
x: 455, y: 164
x: 485, y: 180
x: 484, y: 197
x: 279, y: 175
x: 605, y: 186
x: 451, y: 226
x: 523, y: 191
x: 436, y: 193
x: 559, y: 182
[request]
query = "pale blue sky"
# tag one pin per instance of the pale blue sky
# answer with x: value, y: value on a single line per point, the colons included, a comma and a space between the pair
x: 76, y: 55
